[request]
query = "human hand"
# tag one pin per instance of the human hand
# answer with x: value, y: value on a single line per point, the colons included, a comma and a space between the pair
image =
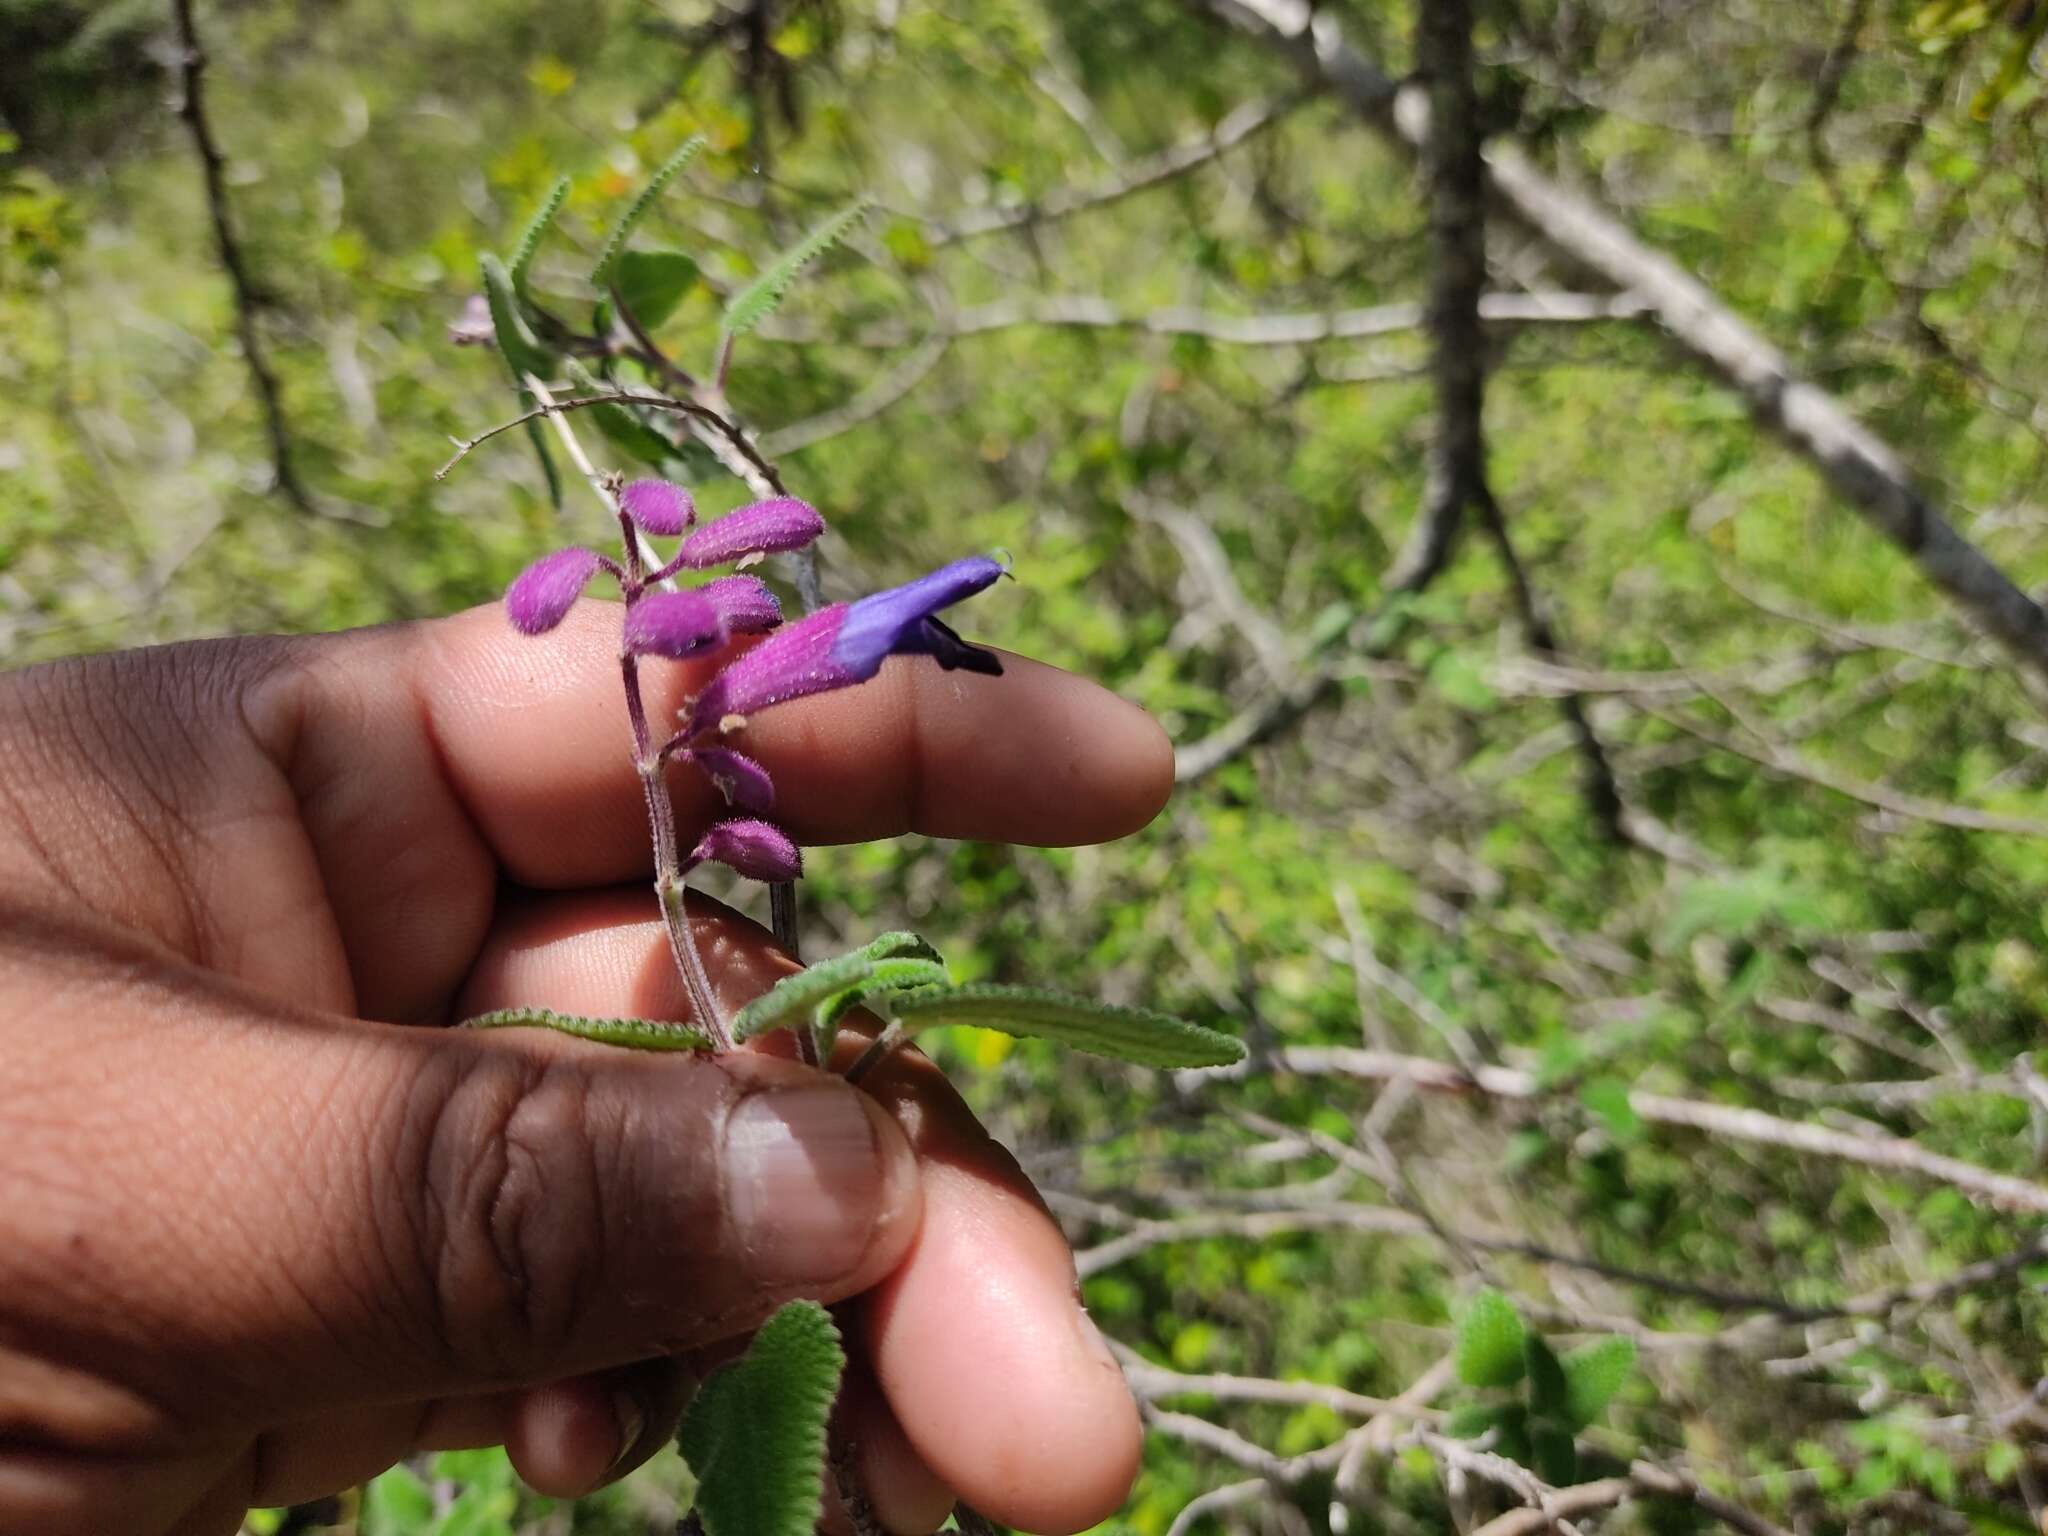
x: 264, y: 1235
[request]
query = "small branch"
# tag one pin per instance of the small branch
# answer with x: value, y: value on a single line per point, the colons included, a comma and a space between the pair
x: 1782, y: 760
x: 725, y: 430
x: 2001, y: 1191
x: 1379, y: 1219
x: 892, y: 387
x: 1286, y: 328
x: 1063, y: 202
x: 248, y: 298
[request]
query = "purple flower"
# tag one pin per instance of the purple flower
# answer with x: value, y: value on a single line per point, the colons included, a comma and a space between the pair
x: 739, y: 778
x: 542, y: 594
x: 675, y: 624
x: 845, y: 644
x: 658, y: 506
x: 745, y: 603
x: 764, y: 528
x: 754, y: 848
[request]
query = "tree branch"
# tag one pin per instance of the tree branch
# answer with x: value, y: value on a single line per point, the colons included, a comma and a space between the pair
x: 1860, y: 468
x: 248, y: 298
x: 1252, y: 118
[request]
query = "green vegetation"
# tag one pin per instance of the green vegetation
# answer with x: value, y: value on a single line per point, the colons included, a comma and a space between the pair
x: 1740, y: 1106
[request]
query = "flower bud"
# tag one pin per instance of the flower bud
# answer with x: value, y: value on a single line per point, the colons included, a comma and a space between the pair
x: 764, y: 528
x: 745, y: 603
x: 739, y: 778
x: 674, y: 624
x: 658, y: 506
x: 542, y: 594
x: 754, y: 848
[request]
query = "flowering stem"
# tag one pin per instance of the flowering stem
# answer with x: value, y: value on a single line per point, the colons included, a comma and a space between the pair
x: 669, y: 882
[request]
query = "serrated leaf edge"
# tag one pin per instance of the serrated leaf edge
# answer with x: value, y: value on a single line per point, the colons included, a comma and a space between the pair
x: 601, y: 274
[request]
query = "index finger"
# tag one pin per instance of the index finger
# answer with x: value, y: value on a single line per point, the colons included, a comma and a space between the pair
x: 429, y: 761
x: 532, y: 735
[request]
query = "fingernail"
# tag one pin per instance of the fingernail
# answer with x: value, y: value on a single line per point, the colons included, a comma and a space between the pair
x: 632, y: 1422
x: 807, y: 1182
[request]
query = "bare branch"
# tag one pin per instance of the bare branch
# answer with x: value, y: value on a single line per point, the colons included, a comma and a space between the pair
x: 1244, y: 122
x: 2002, y: 1191
x: 893, y: 386
x: 1860, y: 467
x: 248, y: 298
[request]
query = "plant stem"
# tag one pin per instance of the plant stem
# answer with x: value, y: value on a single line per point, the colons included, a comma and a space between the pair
x: 670, y: 884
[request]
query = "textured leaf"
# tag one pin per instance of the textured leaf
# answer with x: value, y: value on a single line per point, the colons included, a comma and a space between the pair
x: 652, y: 283
x: 517, y: 344
x: 639, y: 1034
x: 1547, y: 1391
x: 1129, y: 1034
x: 549, y: 473
x: 536, y: 229
x: 798, y: 994
x: 1488, y: 1351
x: 760, y: 298
x: 1593, y: 1373
x: 615, y: 242
x: 755, y: 1433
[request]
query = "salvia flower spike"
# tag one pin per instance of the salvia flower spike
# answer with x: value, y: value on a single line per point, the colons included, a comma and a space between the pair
x: 772, y: 527
x: 541, y: 596
x: 847, y: 643
x: 658, y: 507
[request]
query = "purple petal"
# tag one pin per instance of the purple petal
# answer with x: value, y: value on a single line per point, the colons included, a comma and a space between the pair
x: 745, y: 603
x: 794, y: 661
x: 765, y: 528
x: 658, y: 506
x: 545, y: 591
x: 674, y: 624
x: 754, y: 848
x: 739, y: 778
x: 877, y: 627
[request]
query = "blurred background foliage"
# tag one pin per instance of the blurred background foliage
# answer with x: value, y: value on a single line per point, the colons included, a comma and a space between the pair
x: 1413, y: 866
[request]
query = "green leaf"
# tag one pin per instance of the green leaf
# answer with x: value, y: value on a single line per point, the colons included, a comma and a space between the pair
x: 615, y: 242
x: 805, y: 990
x: 1593, y: 1373
x: 536, y: 228
x: 1547, y: 1389
x: 652, y: 283
x: 1129, y: 1034
x: 549, y: 473
x: 638, y: 1034
x: 1488, y: 1349
x: 395, y: 1502
x: 621, y: 428
x: 755, y: 1433
x: 1607, y: 1099
x: 517, y: 344
x: 1473, y: 1420
x: 1552, y: 1456
x: 759, y: 299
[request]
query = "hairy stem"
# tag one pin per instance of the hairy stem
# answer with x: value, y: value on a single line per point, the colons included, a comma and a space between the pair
x: 669, y: 882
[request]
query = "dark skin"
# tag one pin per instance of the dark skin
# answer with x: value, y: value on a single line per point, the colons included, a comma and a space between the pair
x: 269, y: 1230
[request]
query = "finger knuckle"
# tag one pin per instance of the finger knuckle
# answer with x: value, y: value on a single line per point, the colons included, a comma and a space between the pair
x: 511, y: 1222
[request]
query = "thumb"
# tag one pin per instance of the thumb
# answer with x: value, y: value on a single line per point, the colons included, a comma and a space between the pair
x: 235, y: 1212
